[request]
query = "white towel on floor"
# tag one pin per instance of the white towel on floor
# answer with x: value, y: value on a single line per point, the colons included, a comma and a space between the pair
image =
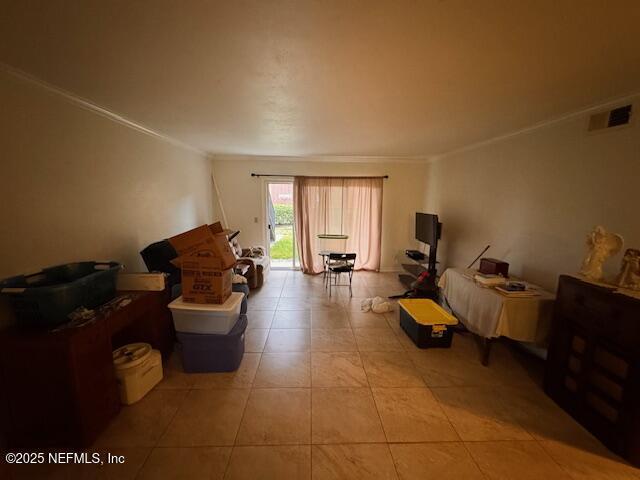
x: 375, y: 305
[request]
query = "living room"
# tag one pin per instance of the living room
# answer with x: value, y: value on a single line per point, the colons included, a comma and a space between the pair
x: 509, y: 125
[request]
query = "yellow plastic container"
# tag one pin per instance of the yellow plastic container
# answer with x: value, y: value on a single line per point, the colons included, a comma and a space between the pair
x: 427, y: 312
x: 426, y: 322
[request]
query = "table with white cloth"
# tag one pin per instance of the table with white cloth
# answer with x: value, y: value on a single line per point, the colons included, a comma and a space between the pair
x: 491, y: 314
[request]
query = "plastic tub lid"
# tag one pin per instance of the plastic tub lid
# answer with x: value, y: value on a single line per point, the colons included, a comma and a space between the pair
x: 427, y: 312
x: 131, y: 355
x: 228, y: 306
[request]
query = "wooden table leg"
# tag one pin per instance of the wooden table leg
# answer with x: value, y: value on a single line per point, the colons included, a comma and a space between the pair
x: 486, y: 350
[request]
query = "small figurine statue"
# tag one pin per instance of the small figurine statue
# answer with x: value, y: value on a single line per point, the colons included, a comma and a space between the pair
x: 601, y: 245
x: 629, y: 276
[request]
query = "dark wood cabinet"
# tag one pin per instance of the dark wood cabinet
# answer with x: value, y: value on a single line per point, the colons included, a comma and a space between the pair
x: 593, y: 365
x: 59, y: 388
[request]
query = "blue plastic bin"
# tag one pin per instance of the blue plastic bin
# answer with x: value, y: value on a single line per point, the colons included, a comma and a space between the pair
x: 211, y: 352
x: 46, y: 298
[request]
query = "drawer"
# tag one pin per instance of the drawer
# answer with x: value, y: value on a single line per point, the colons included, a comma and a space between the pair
x: 613, y: 317
x: 584, y: 305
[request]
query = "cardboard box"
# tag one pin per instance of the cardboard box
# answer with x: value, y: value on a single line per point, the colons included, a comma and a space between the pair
x: 204, y: 280
x: 221, y: 245
x: 205, y: 241
x: 193, y: 242
x: 206, y: 259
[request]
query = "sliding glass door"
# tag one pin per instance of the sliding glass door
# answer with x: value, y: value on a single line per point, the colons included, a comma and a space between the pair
x: 279, y: 223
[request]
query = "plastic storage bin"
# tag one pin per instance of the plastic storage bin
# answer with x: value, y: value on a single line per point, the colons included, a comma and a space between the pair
x: 46, y: 298
x: 242, y: 288
x: 213, y: 353
x: 138, y: 370
x: 426, y: 323
x: 206, y: 318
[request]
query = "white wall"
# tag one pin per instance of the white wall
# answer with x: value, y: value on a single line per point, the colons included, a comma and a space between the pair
x: 403, y: 195
x: 80, y: 186
x: 536, y: 195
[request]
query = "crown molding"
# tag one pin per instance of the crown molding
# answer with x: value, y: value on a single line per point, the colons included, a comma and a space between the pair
x: 537, y: 126
x: 322, y: 158
x: 95, y: 108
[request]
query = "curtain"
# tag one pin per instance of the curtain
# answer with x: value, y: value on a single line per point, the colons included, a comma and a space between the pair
x: 311, y: 206
x: 362, y: 217
x: 352, y: 206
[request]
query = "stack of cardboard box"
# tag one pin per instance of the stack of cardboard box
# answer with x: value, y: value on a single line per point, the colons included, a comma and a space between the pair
x: 211, y: 336
x: 206, y: 260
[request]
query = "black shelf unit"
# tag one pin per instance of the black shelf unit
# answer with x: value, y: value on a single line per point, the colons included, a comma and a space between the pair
x: 413, y: 270
x: 593, y: 364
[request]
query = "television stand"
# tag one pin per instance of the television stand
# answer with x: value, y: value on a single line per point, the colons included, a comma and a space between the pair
x: 406, y: 280
x: 412, y: 271
x: 415, y: 254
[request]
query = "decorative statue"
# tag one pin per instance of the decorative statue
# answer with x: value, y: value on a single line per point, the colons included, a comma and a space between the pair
x: 601, y: 245
x: 629, y: 276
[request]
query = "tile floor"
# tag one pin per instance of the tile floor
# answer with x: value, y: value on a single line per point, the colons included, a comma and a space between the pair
x: 327, y: 392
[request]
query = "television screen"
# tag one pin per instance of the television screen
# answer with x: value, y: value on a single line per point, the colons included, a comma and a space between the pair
x: 427, y: 228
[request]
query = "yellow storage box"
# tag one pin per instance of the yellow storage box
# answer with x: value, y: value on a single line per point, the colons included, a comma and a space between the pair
x: 426, y: 322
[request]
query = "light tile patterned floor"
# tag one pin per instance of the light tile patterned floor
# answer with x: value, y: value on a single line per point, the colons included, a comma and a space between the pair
x: 327, y: 392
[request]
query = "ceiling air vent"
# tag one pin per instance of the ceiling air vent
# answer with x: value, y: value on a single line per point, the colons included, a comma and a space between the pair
x: 612, y: 118
x: 619, y: 116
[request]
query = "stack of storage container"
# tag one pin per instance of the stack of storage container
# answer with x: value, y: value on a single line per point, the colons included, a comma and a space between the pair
x: 211, y: 336
x: 207, y: 318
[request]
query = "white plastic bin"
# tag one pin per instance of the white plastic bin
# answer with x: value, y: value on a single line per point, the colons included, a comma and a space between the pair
x: 206, y: 318
x: 138, y: 369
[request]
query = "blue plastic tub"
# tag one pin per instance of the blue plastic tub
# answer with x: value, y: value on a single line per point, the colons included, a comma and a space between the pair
x: 212, y: 352
x: 46, y: 298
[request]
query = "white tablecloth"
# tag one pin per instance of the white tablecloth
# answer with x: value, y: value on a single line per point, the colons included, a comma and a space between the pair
x: 490, y: 314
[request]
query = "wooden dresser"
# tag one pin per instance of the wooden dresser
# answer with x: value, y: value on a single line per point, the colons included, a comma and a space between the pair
x: 59, y: 388
x: 593, y: 366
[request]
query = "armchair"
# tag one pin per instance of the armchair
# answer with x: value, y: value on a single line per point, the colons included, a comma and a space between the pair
x: 256, y: 259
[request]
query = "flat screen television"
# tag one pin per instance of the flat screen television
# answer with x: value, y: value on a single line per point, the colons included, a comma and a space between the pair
x: 427, y: 228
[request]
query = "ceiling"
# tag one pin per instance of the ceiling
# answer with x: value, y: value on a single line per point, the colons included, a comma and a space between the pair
x: 331, y: 77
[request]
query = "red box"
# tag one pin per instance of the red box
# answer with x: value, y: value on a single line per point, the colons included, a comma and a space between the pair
x: 491, y: 266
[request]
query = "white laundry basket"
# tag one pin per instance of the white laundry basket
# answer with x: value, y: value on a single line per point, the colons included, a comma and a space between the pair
x: 138, y: 369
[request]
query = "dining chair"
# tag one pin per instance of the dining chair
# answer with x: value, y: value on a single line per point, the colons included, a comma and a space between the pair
x: 340, y: 263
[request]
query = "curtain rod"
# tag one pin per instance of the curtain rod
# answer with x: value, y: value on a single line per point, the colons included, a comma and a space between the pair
x: 318, y: 176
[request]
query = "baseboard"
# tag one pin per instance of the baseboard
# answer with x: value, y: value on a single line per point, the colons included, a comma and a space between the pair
x: 393, y: 269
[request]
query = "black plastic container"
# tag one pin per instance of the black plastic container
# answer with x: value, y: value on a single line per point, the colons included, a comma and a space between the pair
x: 211, y: 352
x: 157, y: 257
x: 46, y: 298
x: 426, y: 333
